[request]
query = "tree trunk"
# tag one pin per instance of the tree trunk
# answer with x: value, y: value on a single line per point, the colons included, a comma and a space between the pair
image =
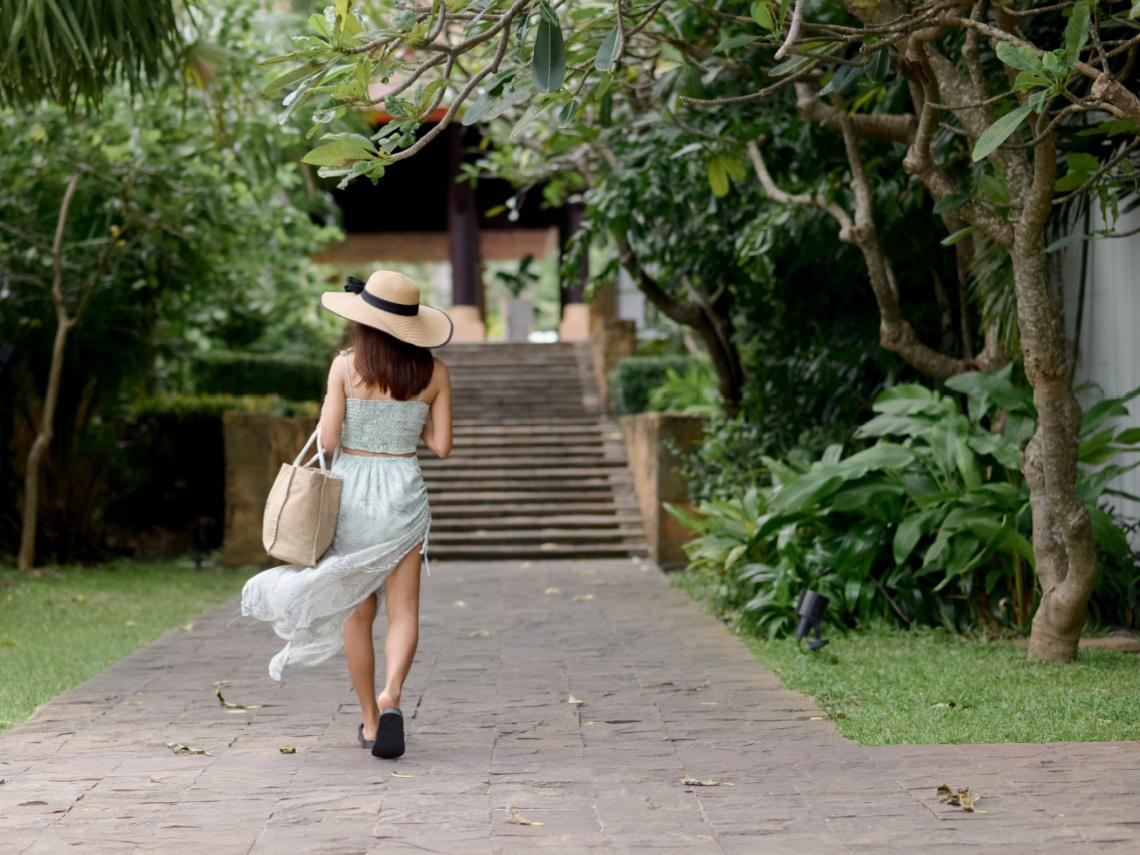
x: 40, y: 445
x: 1062, y: 527
x: 712, y: 321
x: 42, y: 442
x: 716, y: 332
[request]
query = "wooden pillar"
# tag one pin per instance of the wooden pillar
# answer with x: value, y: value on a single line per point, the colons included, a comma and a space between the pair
x: 463, y: 248
x: 575, y: 324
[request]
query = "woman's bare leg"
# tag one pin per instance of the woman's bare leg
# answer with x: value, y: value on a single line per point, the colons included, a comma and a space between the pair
x: 361, y: 656
x: 402, y: 601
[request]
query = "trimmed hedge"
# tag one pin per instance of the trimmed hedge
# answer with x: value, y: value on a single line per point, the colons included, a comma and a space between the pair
x: 234, y: 373
x: 635, y: 377
x: 171, y: 469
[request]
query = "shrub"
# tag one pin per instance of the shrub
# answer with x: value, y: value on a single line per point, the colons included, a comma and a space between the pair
x: 170, y: 469
x: 238, y: 373
x: 799, y: 402
x: 635, y: 377
x: 928, y: 525
x: 692, y: 392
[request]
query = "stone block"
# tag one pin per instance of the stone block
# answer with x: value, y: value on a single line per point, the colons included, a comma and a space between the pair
x: 656, y: 444
x: 610, y: 342
x: 256, y: 445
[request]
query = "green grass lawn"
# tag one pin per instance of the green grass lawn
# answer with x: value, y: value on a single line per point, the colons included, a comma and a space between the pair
x: 886, y: 686
x: 67, y: 624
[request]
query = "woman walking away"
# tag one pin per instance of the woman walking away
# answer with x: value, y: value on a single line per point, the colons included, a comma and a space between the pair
x: 384, y: 393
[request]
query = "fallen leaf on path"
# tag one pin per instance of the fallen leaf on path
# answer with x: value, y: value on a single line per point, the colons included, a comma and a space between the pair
x: 518, y: 819
x: 693, y: 782
x: 130, y: 623
x: 401, y: 775
x: 7, y: 642
x: 460, y: 604
x: 79, y: 598
x: 287, y: 749
x: 480, y: 633
x: 962, y: 797
x: 587, y: 722
x: 576, y: 701
x: 582, y: 597
x: 230, y: 706
x: 187, y: 627
x: 550, y: 592
x: 180, y: 748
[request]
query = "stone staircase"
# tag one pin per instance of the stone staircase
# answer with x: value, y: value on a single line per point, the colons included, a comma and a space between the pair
x: 538, y: 468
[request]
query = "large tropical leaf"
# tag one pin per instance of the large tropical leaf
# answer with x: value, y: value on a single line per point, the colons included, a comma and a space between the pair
x: 72, y: 52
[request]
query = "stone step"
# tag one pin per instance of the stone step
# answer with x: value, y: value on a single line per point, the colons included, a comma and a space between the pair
x: 560, y: 499
x: 562, y: 487
x: 548, y: 550
x: 567, y: 477
x: 609, y: 506
x: 626, y: 521
x: 532, y: 535
x: 522, y: 453
x: 531, y: 464
x: 579, y: 425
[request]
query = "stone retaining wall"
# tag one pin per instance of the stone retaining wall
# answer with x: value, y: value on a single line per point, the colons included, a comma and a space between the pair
x: 256, y: 446
x: 656, y: 444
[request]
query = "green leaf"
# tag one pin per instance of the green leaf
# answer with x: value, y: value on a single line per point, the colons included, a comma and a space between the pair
x: 731, y: 43
x: 843, y: 79
x: 1000, y: 131
x: 952, y: 239
x: 950, y: 203
x: 568, y: 113
x: 287, y: 79
x: 549, y: 63
x: 1054, y: 62
x: 762, y: 15
x: 1028, y: 80
x: 607, y: 51
x: 1076, y: 32
x: 879, y: 66
x: 1021, y: 57
x: 336, y: 153
x: 907, y: 536
x: 806, y: 490
x: 718, y: 177
x: 1107, y: 533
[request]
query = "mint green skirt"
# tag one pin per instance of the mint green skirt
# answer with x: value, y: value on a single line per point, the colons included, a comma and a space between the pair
x: 384, y: 515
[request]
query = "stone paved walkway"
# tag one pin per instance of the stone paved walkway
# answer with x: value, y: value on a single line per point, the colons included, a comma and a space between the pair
x: 668, y: 693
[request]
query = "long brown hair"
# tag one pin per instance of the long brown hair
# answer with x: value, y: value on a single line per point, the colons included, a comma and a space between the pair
x: 400, y: 369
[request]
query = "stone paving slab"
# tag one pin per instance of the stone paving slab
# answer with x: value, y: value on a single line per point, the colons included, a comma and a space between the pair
x: 668, y: 693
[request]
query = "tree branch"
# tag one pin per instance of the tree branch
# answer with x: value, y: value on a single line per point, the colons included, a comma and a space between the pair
x: 875, y: 126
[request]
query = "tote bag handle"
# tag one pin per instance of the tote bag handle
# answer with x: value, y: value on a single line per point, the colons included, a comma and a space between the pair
x: 319, y: 457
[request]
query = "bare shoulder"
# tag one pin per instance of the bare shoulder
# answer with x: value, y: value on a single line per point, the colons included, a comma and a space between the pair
x: 440, y: 375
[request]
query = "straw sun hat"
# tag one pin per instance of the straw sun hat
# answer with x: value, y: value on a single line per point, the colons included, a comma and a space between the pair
x: 390, y: 302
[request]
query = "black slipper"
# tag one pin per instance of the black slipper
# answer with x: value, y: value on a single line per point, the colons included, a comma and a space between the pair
x: 389, y: 735
x: 364, y: 743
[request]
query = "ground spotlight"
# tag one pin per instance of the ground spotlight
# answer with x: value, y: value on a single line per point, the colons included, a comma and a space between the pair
x: 811, y: 610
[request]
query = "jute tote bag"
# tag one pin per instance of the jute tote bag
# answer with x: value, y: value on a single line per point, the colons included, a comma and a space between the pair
x: 301, y: 510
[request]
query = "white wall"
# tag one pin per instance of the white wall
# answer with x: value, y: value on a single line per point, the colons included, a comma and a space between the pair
x: 1109, y: 353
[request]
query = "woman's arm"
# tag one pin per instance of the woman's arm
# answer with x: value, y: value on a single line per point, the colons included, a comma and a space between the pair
x: 332, y: 411
x: 437, y: 429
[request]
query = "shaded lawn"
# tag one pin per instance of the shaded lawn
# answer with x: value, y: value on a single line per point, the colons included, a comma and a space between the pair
x: 886, y: 686
x: 67, y: 624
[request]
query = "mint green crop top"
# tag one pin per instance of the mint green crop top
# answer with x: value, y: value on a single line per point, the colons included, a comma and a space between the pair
x: 382, y: 425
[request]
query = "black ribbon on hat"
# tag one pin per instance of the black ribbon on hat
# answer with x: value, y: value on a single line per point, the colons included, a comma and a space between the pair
x: 355, y: 286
